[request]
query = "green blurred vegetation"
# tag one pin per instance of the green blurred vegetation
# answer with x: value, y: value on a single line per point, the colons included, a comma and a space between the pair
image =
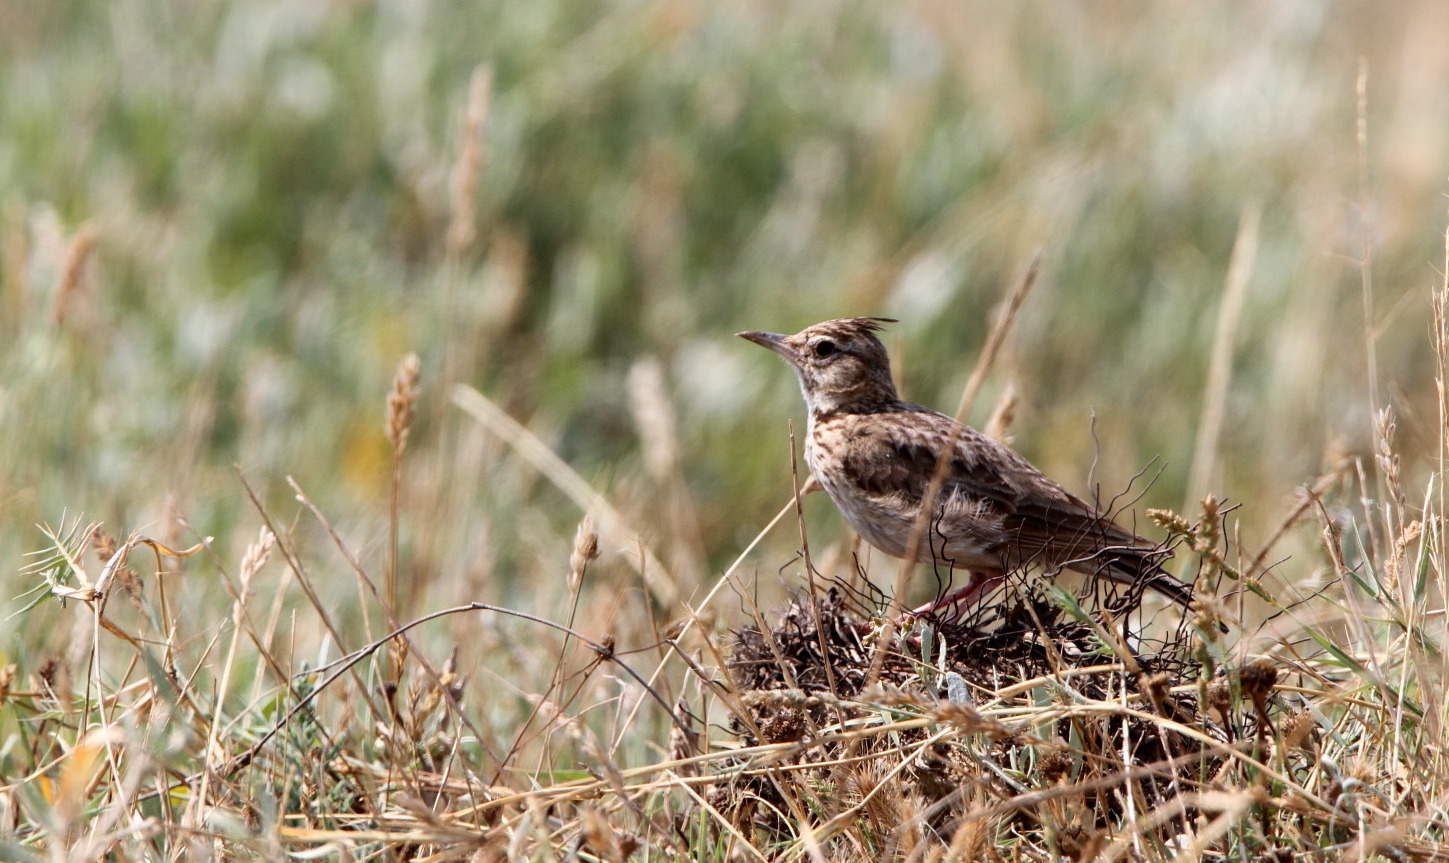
x: 268, y: 185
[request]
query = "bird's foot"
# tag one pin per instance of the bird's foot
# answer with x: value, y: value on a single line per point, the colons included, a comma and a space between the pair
x: 981, y: 583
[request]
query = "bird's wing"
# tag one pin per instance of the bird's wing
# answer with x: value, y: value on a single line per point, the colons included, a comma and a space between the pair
x: 901, y: 457
x: 1015, y: 508
x: 1040, y: 517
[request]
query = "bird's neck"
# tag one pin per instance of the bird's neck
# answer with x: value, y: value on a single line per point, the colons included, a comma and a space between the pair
x: 872, y: 399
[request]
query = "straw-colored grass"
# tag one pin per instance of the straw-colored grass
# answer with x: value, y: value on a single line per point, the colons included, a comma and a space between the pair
x: 382, y: 480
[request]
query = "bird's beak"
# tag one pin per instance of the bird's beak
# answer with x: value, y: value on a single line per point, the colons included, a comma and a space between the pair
x: 773, y: 341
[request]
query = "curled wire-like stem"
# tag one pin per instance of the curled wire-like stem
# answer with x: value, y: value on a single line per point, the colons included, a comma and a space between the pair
x: 340, y: 666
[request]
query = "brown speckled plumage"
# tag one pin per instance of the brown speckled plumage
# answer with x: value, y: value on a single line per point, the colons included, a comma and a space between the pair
x: 875, y: 455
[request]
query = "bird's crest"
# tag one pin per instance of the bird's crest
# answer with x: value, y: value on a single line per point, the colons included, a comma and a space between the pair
x: 850, y: 326
x: 869, y: 325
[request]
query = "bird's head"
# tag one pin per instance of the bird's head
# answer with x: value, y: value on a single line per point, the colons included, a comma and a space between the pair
x: 841, y: 364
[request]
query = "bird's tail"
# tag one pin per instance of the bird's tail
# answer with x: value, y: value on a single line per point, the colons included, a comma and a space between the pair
x: 1168, y: 585
x: 1138, y: 567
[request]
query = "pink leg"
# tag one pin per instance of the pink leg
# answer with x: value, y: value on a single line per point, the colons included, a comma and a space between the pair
x: 980, y: 584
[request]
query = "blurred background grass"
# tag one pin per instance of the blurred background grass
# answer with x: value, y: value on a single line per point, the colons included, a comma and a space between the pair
x: 268, y: 187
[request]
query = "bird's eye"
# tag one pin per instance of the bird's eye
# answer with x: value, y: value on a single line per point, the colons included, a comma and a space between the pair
x: 825, y: 348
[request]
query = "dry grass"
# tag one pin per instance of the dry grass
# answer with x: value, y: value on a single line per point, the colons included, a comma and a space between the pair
x: 1045, y: 737
x: 1040, y: 726
x: 539, y: 615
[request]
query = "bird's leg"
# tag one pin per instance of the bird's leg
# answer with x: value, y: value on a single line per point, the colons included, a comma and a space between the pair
x: 981, y: 583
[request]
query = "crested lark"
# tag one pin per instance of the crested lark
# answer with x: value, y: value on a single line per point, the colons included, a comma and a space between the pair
x: 875, y: 455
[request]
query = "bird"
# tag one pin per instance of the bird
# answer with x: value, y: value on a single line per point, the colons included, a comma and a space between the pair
x: 875, y: 455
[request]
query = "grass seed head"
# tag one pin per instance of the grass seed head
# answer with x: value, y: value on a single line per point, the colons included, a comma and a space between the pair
x: 1170, y: 521
x: 1299, y: 730
x: 586, y: 548
x: 401, y: 403
x: 1258, y: 679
